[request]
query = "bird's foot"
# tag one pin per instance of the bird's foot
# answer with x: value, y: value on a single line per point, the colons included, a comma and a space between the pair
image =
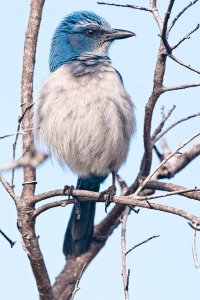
x: 110, y: 193
x: 69, y: 190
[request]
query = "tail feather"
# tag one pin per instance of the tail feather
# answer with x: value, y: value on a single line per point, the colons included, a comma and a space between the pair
x: 79, y: 233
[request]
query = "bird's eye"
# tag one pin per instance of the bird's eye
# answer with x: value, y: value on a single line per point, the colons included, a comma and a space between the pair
x: 91, y: 32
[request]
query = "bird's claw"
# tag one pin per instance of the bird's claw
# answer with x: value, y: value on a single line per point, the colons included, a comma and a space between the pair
x: 110, y: 193
x: 69, y: 189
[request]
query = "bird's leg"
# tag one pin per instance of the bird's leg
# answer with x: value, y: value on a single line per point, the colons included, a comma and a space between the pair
x: 110, y: 192
x: 70, y: 189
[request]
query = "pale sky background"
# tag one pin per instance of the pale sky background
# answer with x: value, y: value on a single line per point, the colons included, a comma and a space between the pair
x: 162, y: 269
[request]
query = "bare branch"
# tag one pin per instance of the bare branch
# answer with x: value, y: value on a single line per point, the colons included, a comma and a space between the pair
x: 184, y: 65
x: 180, y: 14
x: 194, y: 250
x: 162, y: 123
x: 155, y: 12
x: 122, y: 185
x: 45, y: 207
x: 77, y: 288
x: 141, y: 243
x: 142, y: 185
x: 178, y: 162
x: 171, y: 187
x: 16, y: 133
x: 181, y: 86
x: 25, y: 209
x: 123, y: 252
x: 174, y: 124
x: 164, y: 35
x: 33, y: 161
x: 122, y: 200
x: 186, y: 37
x: 30, y: 45
x: 9, y: 189
x: 183, y: 192
x: 126, y: 5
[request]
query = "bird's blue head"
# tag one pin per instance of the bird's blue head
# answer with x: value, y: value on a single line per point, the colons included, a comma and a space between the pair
x: 82, y: 34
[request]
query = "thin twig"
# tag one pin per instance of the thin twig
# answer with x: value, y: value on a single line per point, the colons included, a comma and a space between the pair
x: 164, y: 34
x: 33, y: 161
x: 186, y: 37
x: 14, y: 151
x: 122, y: 184
x: 16, y: 133
x: 77, y: 288
x: 171, y: 187
x: 141, y: 243
x: 178, y: 192
x: 156, y: 15
x: 174, y: 124
x: 126, y: 5
x: 16, y: 139
x: 181, y: 86
x: 141, y: 186
x: 180, y: 14
x: 184, y: 65
x: 194, y: 251
x: 8, y: 188
x: 123, y: 253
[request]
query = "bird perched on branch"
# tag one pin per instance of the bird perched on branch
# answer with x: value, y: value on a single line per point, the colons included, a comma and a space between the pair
x: 83, y: 113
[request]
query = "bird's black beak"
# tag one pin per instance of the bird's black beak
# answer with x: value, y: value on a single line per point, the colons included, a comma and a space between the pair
x: 118, y: 34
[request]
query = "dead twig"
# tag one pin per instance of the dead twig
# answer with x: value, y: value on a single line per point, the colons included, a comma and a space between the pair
x: 33, y: 161
x: 178, y: 61
x: 180, y: 14
x: 8, y: 188
x: 141, y: 243
x: 194, y: 250
x: 126, y: 5
x: 122, y: 184
x: 123, y: 253
x: 77, y: 288
x: 175, y: 124
x: 142, y: 185
x: 186, y: 37
x: 162, y: 123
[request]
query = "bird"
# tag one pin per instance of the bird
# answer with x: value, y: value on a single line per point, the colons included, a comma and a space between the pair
x: 83, y: 115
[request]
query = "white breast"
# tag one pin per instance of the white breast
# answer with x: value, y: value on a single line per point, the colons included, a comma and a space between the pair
x: 85, y: 121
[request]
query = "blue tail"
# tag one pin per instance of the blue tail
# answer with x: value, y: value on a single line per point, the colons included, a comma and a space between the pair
x: 78, y: 235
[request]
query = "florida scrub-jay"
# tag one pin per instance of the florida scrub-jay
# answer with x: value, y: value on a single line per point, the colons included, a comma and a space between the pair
x: 83, y: 113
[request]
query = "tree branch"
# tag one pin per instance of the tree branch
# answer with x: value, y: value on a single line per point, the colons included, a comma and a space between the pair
x: 180, y: 14
x: 141, y: 243
x: 123, y: 253
x: 185, y: 37
x: 126, y: 5
x: 142, y: 185
x: 25, y: 208
x: 174, y: 124
x: 9, y: 189
x: 178, y: 61
x: 181, y: 86
x: 171, y: 187
x: 194, y: 250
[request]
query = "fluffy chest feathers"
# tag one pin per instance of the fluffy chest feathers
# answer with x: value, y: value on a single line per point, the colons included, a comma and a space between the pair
x: 85, y: 120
